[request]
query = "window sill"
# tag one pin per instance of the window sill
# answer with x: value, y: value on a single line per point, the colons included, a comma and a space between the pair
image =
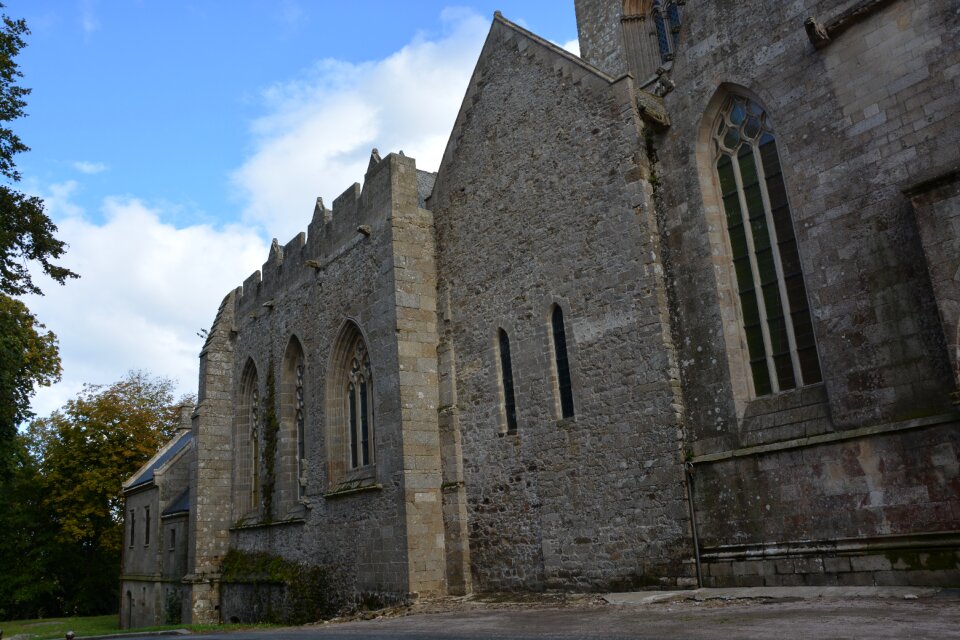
x: 357, y: 485
x: 260, y: 525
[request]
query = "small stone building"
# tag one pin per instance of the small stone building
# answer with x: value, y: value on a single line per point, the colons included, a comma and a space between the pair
x: 683, y: 311
x: 157, y: 501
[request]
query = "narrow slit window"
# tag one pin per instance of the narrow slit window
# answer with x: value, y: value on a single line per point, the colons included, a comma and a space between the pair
x: 506, y: 377
x: 564, y: 387
x: 776, y: 316
x: 146, y: 525
x: 173, y: 539
x: 133, y: 526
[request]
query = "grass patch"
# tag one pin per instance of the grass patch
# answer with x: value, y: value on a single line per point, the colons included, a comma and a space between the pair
x: 56, y: 628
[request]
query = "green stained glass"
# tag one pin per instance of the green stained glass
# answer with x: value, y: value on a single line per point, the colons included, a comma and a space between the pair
x: 761, y: 378
x: 780, y: 336
x: 751, y: 313
x: 731, y: 139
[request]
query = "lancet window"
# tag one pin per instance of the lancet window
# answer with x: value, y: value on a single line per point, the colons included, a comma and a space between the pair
x: 359, y: 408
x: 773, y: 299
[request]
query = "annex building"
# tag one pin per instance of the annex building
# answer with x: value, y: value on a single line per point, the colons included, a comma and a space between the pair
x: 686, y: 310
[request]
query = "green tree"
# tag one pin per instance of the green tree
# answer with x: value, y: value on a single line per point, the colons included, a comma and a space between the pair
x: 26, y: 237
x: 26, y: 233
x: 29, y: 357
x: 79, y: 457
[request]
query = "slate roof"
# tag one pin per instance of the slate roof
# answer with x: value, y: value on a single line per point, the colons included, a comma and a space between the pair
x: 145, y: 475
x: 180, y: 505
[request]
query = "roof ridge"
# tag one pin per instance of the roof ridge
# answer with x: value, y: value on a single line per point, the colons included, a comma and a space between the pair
x: 498, y: 17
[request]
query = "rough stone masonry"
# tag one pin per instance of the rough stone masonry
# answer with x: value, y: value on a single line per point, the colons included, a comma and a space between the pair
x: 683, y: 311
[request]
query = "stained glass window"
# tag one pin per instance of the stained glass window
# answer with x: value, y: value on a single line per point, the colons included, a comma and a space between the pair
x: 773, y: 301
x: 360, y: 408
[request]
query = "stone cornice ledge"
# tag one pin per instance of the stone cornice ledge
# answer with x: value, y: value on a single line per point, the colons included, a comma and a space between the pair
x: 873, y: 544
x: 828, y: 438
x: 821, y: 34
x: 273, y: 523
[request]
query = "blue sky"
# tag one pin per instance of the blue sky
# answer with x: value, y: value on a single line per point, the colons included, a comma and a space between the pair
x: 172, y: 139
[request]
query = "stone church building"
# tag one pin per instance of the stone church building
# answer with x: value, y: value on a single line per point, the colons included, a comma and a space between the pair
x: 683, y: 311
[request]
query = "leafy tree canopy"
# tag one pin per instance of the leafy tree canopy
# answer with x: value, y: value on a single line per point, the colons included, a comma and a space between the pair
x: 86, y: 449
x: 61, y: 511
x: 29, y: 357
x: 26, y: 233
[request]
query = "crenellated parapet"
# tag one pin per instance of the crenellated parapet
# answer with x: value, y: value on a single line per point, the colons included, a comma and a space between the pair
x: 358, y: 213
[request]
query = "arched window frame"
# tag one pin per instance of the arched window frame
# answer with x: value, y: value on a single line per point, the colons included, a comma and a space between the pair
x: 359, y: 409
x: 247, y: 433
x: 351, y: 367
x: 747, y: 177
x: 293, y: 423
x: 667, y: 19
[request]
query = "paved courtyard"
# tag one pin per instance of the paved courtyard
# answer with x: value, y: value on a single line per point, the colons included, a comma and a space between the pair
x: 837, y: 616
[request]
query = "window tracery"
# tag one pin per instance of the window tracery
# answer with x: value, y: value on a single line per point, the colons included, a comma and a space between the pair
x: 775, y: 313
x: 253, y: 404
x: 360, y: 407
x: 301, y: 424
x: 667, y: 22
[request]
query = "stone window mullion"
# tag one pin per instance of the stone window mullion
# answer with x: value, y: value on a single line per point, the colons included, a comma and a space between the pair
x: 757, y: 281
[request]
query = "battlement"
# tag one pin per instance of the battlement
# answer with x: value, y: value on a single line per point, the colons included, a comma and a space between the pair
x: 360, y: 214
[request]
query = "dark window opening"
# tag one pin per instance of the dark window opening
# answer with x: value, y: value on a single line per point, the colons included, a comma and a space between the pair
x: 563, y: 364
x: 506, y: 375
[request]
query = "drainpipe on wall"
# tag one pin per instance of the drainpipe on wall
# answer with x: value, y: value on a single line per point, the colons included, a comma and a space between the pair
x: 689, y: 473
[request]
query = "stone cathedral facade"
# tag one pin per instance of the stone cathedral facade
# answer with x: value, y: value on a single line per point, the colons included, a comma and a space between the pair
x: 683, y: 311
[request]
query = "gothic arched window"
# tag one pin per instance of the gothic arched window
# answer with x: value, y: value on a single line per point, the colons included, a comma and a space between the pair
x: 293, y: 455
x: 667, y: 22
x: 359, y: 409
x: 773, y: 298
x: 247, y: 442
x: 350, y: 420
x: 301, y: 435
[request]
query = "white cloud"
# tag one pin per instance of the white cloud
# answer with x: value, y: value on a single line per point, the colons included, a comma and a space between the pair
x: 317, y: 135
x: 89, y: 168
x: 146, y: 289
x: 573, y: 46
x: 88, y: 17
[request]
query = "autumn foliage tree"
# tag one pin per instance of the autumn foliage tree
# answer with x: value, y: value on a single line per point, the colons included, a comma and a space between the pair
x: 70, y: 471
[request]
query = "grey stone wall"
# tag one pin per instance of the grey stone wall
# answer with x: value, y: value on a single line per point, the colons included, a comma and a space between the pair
x: 855, y: 122
x: 936, y: 202
x: 544, y: 198
x: 383, y: 530
x: 140, y: 557
x: 599, y: 30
